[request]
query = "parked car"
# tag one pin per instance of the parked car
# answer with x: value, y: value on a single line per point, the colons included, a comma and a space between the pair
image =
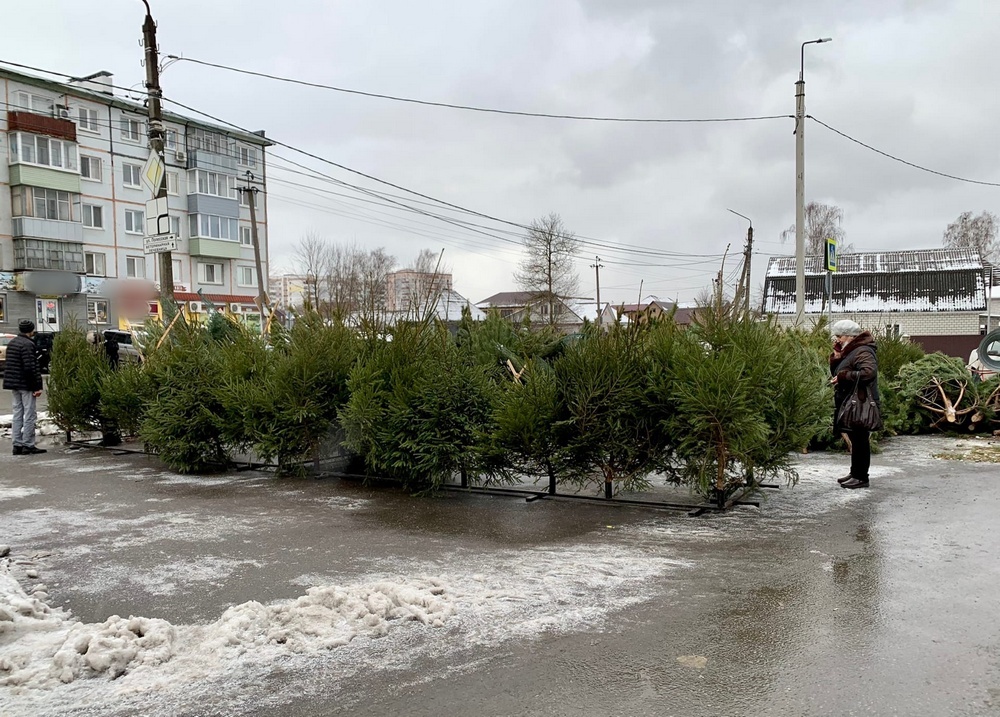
x: 4, y: 340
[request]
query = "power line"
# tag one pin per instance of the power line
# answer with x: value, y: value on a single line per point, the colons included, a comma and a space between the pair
x: 900, y: 160
x: 470, y: 108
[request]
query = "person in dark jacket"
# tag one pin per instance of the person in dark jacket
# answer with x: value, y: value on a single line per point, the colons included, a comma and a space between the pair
x: 111, y: 349
x: 854, y: 367
x: 23, y: 378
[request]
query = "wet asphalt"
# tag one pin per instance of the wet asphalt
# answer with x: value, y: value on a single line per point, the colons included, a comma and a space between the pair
x: 881, y: 602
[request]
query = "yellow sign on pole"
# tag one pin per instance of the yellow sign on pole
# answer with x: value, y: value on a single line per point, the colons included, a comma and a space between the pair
x: 831, y: 254
x: 152, y: 172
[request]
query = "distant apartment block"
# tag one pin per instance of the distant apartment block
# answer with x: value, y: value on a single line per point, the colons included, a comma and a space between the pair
x: 72, y: 206
x: 407, y: 289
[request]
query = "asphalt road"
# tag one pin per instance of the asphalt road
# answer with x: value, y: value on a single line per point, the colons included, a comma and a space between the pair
x: 820, y: 602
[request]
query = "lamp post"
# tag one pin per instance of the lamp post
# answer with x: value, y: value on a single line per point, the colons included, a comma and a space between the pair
x: 800, y: 182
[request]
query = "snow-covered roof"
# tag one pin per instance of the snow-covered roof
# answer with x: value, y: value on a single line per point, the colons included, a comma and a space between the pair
x: 883, y: 262
x: 448, y: 308
x: 878, y: 282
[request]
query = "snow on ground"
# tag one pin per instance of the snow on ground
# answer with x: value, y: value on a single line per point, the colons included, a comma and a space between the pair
x: 52, y: 664
x: 44, y: 426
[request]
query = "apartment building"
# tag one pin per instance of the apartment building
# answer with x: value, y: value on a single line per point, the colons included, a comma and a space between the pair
x: 72, y: 203
x: 408, y: 288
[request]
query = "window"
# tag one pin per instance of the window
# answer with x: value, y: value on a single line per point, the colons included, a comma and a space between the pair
x: 170, y: 139
x: 51, y: 255
x: 131, y: 174
x: 178, y: 270
x: 44, y: 151
x: 44, y: 203
x: 172, y: 183
x: 87, y: 120
x: 94, y: 263
x: 246, y: 276
x: 245, y: 198
x: 134, y: 222
x: 208, y: 141
x: 214, y: 227
x: 247, y: 156
x: 246, y: 236
x: 93, y: 216
x: 90, y: 168
x: 97, y: 311
x: 213, y: 183
x: 33, y: 103
x: 175, y: 226
x: 135, y: 267
x: 51, y: 204
x: 210, y: 273
x: 131, y: 129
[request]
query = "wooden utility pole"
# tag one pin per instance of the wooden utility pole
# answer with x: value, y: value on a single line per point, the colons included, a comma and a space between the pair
x: 251, y: 192
x: 597, y: 266
x: 156, y: 136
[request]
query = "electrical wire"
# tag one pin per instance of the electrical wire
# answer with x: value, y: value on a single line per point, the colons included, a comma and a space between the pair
x: 899, y: 159
x: 470, y: 108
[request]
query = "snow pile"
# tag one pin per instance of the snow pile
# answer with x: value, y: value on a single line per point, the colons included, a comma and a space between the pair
x: 329, y: 616
x: 41, y: 646
x: 44, y: 425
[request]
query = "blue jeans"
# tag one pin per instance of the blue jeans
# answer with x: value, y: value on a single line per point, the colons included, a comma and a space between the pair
x: 23, y: 429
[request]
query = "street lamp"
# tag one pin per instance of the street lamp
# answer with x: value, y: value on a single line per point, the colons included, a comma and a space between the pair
x: 800, y: 182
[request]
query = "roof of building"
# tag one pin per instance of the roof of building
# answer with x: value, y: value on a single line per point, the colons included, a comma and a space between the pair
x: 104, y: 98
x: 878, y: 282
x: 507, y: 299
x: 448, y: 308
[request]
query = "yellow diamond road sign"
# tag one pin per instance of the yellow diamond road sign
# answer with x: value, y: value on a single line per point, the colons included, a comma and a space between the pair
x: 152, y: 172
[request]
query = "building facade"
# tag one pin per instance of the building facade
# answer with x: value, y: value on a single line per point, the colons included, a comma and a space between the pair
x: 936, y: 297
x: 73, y: 200
x: 407, y: 288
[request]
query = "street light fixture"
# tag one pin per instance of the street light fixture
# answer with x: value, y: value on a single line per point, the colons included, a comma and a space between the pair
x: 800, y: 182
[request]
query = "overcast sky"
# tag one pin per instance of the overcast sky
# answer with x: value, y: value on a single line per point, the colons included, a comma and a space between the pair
x: 915, y: 78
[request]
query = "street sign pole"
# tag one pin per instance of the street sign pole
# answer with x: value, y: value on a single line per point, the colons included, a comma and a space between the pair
x: 831, y: 267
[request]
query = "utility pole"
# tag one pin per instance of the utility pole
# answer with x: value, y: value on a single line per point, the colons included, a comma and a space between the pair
x: 747, y: 256
x: 156, y: 135
x: 597, y: 266
x: 251, y: 192
x: 800, y: 183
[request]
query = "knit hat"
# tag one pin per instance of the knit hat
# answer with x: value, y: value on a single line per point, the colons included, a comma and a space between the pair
x: 845, y: 327
x: 25, y: 326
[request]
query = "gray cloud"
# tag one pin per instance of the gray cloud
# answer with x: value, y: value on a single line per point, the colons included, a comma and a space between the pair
x: 913, y: 77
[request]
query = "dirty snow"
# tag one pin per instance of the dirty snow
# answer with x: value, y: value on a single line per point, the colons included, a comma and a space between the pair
x: 52, y: 664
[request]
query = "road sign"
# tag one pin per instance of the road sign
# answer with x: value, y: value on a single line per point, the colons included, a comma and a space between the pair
x: 152, y: 172
x: 157, y: 218
x: 831, y: 254
x: 159, y: 244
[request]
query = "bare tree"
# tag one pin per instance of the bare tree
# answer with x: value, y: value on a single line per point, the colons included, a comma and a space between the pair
x: 312, y: 257
x: 547, y: 270
x: 974, y: 232
x: 373, y: 269
x: 823, y: 221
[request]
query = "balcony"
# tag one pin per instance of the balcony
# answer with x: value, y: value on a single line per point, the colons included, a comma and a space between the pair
x: 48, y: 255
x: 30, y: 227
x: 41, y: 124
x: 217, y: 248
x: 212, y: 161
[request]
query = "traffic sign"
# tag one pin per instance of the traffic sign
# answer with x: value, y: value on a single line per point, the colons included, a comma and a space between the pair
x: 157, y: 218
x: 159, y: 244
x: 831, y: 254
x: 152, y: 172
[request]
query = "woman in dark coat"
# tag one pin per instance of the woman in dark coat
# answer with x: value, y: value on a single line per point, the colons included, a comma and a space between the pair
x: 854, y: 366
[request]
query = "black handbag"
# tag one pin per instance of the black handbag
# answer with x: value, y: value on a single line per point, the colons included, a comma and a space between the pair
x: 860, y: 415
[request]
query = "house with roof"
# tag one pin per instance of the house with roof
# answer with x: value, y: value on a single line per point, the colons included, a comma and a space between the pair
x: 652, y: 307
x: 570, y: 311
x: 936, y: 297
